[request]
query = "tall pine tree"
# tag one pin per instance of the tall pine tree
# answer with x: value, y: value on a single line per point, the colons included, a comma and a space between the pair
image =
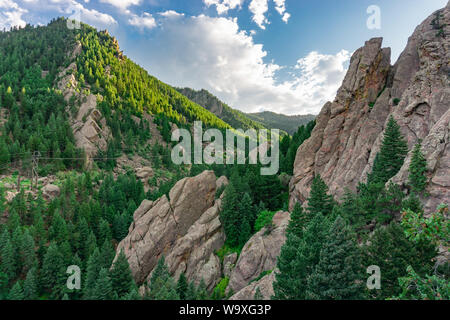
x: 339, y: 273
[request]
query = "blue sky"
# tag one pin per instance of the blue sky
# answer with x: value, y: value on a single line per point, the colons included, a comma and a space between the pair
x: 286, y: 56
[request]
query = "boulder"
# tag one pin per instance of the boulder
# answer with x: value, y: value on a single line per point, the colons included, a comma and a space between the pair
x: 144, y: 173
x: 184, y: 227
x: 260, y: 253
x: 229, y: 261
x: 50, y: 191
x: 265, y: 285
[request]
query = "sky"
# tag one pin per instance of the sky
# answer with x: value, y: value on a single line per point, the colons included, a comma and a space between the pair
x: 285, y: 56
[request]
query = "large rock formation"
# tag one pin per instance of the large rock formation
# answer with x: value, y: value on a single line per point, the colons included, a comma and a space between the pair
x: 265, y: 286
x: 185, y: 228
x: 349, y: 130
x: 260, y: 253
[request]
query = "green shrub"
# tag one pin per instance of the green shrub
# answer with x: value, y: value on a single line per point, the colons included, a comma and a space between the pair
x: 219, y: 290
x: 222, y: 252
x: 396, y: 101
x: 264, y: 219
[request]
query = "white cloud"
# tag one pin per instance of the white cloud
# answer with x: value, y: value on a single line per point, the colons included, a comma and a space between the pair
x: 11, y: 14
x: 213, y: 53
x: 222, y: 6
x: 171, y: 14
x: 145, y: 21
x: 259, y: 8
x: 90, y: 16
x: 122, y: 4
x: 72, y: 9
x: 280, y: 6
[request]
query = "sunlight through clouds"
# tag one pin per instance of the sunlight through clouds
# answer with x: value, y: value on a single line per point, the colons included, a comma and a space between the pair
x: 226, y: 61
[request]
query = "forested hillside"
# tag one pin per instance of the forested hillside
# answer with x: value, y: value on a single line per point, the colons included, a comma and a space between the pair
x: 92, y: 129
x: 280, y: 121
x: 231, y: 116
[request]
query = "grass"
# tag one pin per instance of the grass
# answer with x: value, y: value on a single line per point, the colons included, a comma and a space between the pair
x: 225, y: 250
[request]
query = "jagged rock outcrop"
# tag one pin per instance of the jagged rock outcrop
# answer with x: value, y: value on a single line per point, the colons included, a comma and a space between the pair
x: 349, y: 130
x: 88, y: 125
x: 265, y: 286
x: 260, y: 253
x: 185, y: 228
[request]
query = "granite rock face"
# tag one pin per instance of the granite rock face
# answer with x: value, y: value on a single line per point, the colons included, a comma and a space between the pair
x: 349, y: 130
x: 185, y: 229
x: 265, y: 286
x: 260, y: 253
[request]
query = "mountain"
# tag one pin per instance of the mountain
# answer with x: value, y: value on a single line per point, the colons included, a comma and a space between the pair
x: 87, y: 180
x: 283, y: 122
x: 239, y: 119
x: 235, y: 118
x: 349, y: 131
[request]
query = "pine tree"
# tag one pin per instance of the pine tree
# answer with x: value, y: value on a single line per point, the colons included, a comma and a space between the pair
x: 28, y: 256
x: 122, y: 278
x: 390, y: 249
x: 229, y: 215
x: 182, y: 286
x: 9, y: 263
x: 391, y: 156
x: 299, y: 220
x: 16, y: 292
x: 338, y: 274
x: 298, y: 258
x: 191, y: 292
x: 53, y: 271
x: 258, y: 295
x: 92, y: 270
x: 417, y: 170
x: 103, y: 287
x: 319, y: 200
x: 162, y: 286
x: 30, y: 286
x: 4, y: 280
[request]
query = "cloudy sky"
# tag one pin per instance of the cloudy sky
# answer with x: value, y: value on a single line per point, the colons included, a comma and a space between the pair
x: 286, y: 56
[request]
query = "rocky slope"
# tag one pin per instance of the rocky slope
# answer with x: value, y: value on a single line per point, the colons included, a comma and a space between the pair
x: 185, y: 228
x: 349, y: 130
x: 260, y: 253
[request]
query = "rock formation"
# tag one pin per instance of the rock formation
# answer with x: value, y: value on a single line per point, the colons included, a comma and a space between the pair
x: 349, y: 130
x: 265, y: 286
x: 183, y: 227
x: 260, y: 253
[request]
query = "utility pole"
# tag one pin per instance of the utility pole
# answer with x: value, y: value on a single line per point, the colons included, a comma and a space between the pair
x: 34, y: 169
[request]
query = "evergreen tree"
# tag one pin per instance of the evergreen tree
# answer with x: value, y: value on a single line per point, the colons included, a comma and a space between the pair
x: 103, y: 287
x: 299, y: 221
x: 417, y: 170
x: 53, y: 271
x: 338, y: 274
x: 122, y: 278
x: 229, y: 215
x: 319, y: 200
x: 30, y: 286
x: 298, y: 258
x: 258, y: 295
x: 182, y: 286
x: 92, y: 271
x: 390, y: 249
x: 162, y: 286
x: 9, y: 264
x: 391, y: 156
x: 16, y: 292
